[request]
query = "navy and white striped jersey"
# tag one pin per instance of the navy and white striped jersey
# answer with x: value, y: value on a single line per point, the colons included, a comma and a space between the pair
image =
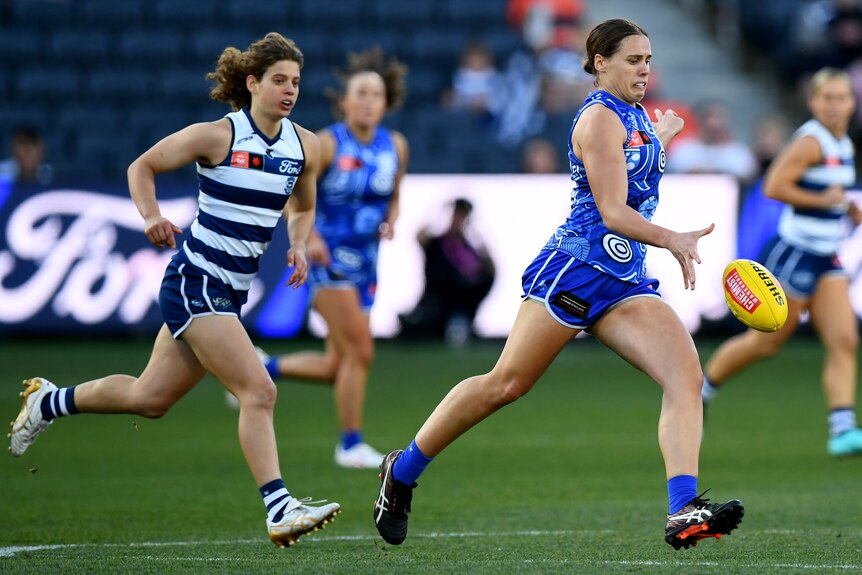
x: 584, y: 235
x: 820, y: 231
x: 241, y: 201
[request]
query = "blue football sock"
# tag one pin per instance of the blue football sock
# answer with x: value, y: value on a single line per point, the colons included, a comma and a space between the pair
x: 275, y: 498
x: 350, y: 437
x: 59, y: 403
x: 272, y: 368
x: 841, y: 420
x: 680, y: 490
x: 410, y: 464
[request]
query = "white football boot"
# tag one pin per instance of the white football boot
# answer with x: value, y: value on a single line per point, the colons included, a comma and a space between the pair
x: 301, y: 518
x: 30, y: 423
x: 360, y: 456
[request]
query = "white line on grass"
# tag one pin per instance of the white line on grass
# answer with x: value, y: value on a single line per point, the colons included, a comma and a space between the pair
x: 11, y: 551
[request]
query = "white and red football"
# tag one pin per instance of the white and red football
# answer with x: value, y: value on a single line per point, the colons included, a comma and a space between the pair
x: 754, y: 296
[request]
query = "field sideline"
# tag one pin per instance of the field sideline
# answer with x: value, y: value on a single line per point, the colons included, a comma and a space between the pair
x: 569, y: 479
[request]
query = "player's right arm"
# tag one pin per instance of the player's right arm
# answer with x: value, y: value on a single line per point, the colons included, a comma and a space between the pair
x: 207, y: 143
x: 782, y: 178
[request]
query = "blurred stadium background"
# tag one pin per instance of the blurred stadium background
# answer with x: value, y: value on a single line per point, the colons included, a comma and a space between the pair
x: 103, y: 80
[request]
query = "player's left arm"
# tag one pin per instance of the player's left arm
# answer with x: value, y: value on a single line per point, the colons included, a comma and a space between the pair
x: 299, y: 210
x: 667, y: 125
x: 387, y: 227
x: 598, y: 139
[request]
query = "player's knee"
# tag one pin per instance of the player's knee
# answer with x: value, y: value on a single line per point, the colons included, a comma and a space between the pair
x: 509, y: 389
x: 332, y: 365
x: 847, y: 342
x: 261, y: 395
x: 770, y: 347
x: 361, y: 353
x: 154, y: 407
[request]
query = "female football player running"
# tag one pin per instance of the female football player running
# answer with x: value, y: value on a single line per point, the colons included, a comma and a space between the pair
x: 811, y: 176
x: 362, y: 166
x: 591, y: 276
x: 252, y: 165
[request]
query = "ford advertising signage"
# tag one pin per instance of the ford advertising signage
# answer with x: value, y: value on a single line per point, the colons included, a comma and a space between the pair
x: 74, y: 259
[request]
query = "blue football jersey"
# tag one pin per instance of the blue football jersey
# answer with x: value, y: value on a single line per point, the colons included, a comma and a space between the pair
x: 353, y: 197
x: 584, y: 235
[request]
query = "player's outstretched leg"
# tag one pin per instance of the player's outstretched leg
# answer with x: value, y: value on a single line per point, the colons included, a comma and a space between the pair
x: 700, y: 519
x: 393, y: 502
x: 300, y: 518
x: 30, y: 423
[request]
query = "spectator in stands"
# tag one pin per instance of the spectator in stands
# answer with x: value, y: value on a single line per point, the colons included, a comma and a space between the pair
x: 564, y: 84
x: 544, y: 75
x: 459, y: 274
x: 770, y: 136
x: 828, y: 33
x: 253, y: 164
x: 476, y: 83
x: 562, y: 10
x: 521, y: 115
x: 716, y: 151
x: 27, y: 158
x: 357, y: 205
x: 540, y: 156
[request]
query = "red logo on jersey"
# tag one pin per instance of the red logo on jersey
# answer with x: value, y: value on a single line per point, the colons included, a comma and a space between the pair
x: 639, y: 138
x: 246, y: 160
x: 831, y: 161
x: 349, y: 163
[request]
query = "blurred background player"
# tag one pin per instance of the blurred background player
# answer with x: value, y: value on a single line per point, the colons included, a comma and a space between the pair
x: 459, y: 273
x: 243, y: 191
x: 591, y: 276
x: 362, y: 166
x: 811, y: 176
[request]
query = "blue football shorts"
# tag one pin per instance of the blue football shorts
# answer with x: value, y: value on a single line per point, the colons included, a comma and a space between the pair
x: 187, y: 293
x: 797, y: 270
x: 575, y: 293
x: 365, y: 283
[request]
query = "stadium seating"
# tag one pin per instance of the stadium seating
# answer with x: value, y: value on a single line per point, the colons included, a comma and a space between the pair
x: 84, y: 65
x: 153, y: 46
x: 110, y: 13
x: 79, y: 46
x: 18, y: 45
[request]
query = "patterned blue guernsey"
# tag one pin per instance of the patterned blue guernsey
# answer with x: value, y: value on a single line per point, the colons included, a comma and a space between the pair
x: 820, y: 231
x: 353, y: 198
x: 241, y: 201
x: 583, y: 235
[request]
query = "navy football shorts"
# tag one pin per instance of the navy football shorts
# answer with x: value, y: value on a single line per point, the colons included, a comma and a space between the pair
x: 187, y: 293
x: 575, y: 293
x: 320, y: 277
x: 797, y: 270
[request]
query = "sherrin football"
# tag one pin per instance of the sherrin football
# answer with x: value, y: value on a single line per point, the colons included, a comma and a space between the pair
x: 754, y: 296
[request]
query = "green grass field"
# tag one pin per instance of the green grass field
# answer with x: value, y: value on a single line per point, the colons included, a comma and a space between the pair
x: 569, y: 479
